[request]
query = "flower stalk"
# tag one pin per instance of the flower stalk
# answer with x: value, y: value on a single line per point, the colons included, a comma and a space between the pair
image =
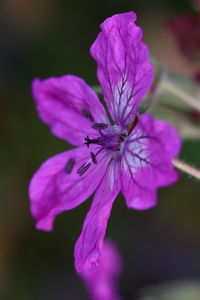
x: 168, y: 86
x: 184, y: 167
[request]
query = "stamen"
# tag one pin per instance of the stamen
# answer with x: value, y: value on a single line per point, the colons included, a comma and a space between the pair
x: 69, y: 165
x: 93, y: 157
x: 122, y: 137
x: 87, y: 114
x: 99, y: 126
x: 133, y: 124
x: 83, y: 168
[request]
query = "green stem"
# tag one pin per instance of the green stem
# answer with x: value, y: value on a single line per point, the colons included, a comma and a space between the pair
x: 173, y: 89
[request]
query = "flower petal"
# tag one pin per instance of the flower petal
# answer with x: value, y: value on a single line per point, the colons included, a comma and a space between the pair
x: 54, y: 189
x: 147, y: 161
x: 69, y: 106
x: 101, y: 283
x: 89, y: 244
x: 124, y: 69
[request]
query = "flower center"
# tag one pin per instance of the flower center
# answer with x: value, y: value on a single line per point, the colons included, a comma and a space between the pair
x: 111, y: 138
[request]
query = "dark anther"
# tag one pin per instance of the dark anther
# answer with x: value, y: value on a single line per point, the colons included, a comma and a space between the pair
x: 69, y: 165
x: 133, y: 124
x: 88, y: 141
x: 93, y: 157
x: 87, y: 114
x: 122, y: 137
x: 99, y: 126
x: 83, y: 168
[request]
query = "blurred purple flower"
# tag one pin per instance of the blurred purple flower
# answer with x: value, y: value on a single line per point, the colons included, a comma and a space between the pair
x: 101, y: 283
x: 196, y: 4
x: 186, y: 31
x: 133, y: 156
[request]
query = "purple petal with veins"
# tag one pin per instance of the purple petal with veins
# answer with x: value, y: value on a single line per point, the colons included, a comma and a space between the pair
x: 124, y: 69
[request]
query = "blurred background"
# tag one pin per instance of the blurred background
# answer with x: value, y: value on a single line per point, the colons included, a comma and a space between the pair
x: 160, y: 247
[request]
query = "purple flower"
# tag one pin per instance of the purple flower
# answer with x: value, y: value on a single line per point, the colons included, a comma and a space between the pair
x: 133, y: 156
x: 186, y: 30
x: 196, y: 4
x: 101, y: 283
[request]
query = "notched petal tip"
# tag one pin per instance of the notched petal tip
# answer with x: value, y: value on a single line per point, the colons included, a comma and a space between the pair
x: 123, y: 18
x: 124, y: 68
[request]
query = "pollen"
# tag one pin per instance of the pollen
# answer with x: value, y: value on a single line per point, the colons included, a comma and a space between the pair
x: 99, y: 126
x: 83, y: 168
x: 93, y: 157
x: 69, y: 165
x: 87, y: 114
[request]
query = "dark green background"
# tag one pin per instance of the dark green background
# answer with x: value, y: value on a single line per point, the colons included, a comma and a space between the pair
x: 157, y: 246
